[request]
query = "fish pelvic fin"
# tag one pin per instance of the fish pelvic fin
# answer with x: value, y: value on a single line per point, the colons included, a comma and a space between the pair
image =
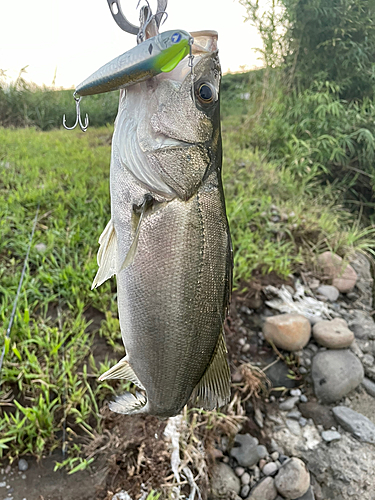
x: 128, y: 403
x: 122, y: 369
x: 107, y: 255
x: 213, y: 390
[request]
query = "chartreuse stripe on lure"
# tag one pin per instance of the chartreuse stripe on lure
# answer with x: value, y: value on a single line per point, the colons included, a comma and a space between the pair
x: 159, y: 54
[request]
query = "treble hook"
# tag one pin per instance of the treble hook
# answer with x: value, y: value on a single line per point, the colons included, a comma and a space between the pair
x: 83, y: 127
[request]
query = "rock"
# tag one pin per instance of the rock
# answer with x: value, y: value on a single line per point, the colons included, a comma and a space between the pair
x: 303, y: 398
x: 329, y: 436
x: 362, y: 267
x: 293, y: 479
x: 342, y: 275
x: 309, y: 495
x: 288, y: 404
x: 22, y: 465
x: 335, y: 374
x: 239, y: 471
x: 329, y: 291
x: 270, y: 469
x: 224, y: 481
x: 293, y: 426
x: 334, y: 334
x: 258, y: 417
x: 279, y: 375
x: 302, y: 422
x: 245, y: 490
x: 288, y: 331
x: 296, y: 392
x: 245, y: 478
x: 265, y: 490
x: 345, y: 469
x: 368, y: 360
x: 362, y: 324
x: 246, y: 453
x: 294, y: 414
x: 369, y: 386
x: 262, y: 451
x: 122, y: 495
x: 360, y: 426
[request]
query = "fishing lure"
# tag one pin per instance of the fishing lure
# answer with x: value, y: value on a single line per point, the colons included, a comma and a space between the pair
x: 159, y: 54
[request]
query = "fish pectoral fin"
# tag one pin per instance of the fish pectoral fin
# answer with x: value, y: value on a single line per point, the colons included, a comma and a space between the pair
x: 123, y: 370
x: 107, y: 255
x: 213, y: 390
x: 147, y: 202
x: 128, y: 403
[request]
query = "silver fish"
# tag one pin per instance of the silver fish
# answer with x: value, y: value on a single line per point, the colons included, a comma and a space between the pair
x: 168, y: 239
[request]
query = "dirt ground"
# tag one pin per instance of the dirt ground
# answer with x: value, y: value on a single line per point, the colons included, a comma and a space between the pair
x: 131, y: 453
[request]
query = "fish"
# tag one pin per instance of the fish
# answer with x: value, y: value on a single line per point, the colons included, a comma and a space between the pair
x: 159, y: 54
x: 168, y: 239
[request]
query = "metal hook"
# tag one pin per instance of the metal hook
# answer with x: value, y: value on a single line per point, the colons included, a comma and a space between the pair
x: 124, y: 24
x: 78, y: 121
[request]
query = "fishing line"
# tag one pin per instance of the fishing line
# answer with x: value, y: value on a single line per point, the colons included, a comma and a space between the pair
x: 9, y: 329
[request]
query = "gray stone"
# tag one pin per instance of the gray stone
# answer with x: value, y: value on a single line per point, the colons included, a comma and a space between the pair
x: 302, y: 422
x: 329, y: 291
x: 369, y: 386
x: 246, y: 453
x: 293, y: 426
x: 329, y: 436
x: 362, y: 325
x: 22, y: 465
x: 333, y: 334
x: 293, y: 479
x: 303, y: 398
x: 245, y: 478
x: 295, y: 392
x: 335, y: 374
x: 279, y: 375
x: 275, y: 455
x: 362, y: 267
x: 258, y: 417
x: 245, y: 490
x: 239, y: 471
x: 122, y: 495
x: 309, y: 495
x: 262, y: 451
x: 289, y: 403
x: 320, y: 414
x: 342, y: 466
x: 224, y: 481
x: 265, y: 490
x: 294, y: 414
x: 270, y: 469
x: 359, y: 425
x: 368, y: 360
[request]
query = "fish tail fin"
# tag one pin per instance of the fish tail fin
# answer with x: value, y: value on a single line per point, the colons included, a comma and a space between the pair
x: 213, y: 390
x: 128, y: 403
x: 123, y: 370
x: 107, y: 255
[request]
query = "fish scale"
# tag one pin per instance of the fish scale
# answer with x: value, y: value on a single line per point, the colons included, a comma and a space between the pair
x: 173, y: 290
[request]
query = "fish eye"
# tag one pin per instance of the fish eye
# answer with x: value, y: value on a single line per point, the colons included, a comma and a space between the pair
x: 205, y: 93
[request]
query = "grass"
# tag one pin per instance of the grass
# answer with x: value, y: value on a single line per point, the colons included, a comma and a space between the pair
x: 278, y: 222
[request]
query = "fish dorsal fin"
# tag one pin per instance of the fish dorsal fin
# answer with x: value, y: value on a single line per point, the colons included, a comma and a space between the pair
x: 213, y: 390
x: 122, y: 369
x: 127, y: 403
x: 107, y: 255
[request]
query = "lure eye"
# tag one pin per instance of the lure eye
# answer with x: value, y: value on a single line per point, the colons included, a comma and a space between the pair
x: 205, y: 93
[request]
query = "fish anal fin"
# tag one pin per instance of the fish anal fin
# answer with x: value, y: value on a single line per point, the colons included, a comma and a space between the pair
x: 122, y: 370
x: 107, y: 255
x: 128, y: 403
x: 213, y: 390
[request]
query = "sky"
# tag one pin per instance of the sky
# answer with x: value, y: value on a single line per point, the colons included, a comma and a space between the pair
x: 75, y: 37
